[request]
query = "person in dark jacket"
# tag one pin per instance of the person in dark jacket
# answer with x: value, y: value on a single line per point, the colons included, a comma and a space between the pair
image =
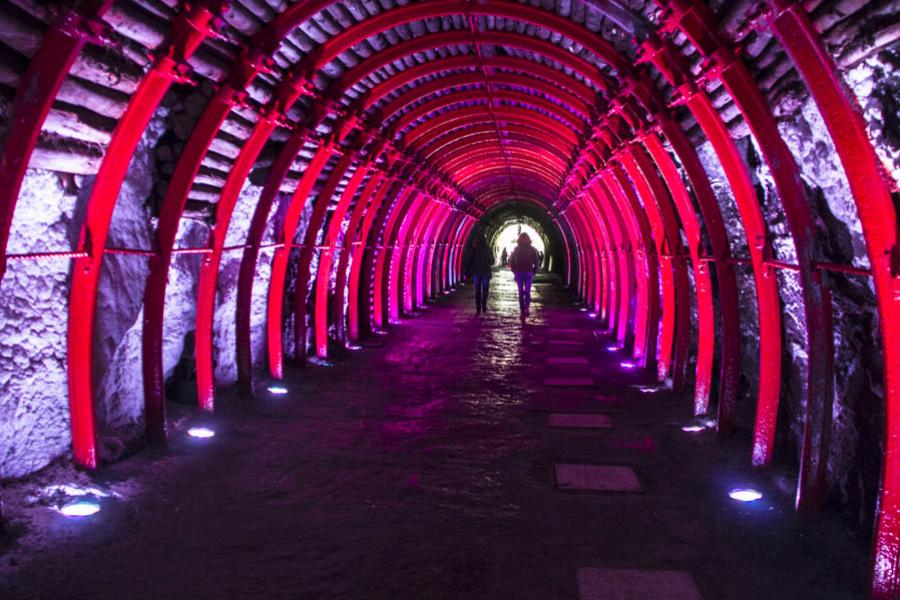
x: 479, y: 266
x: 524, y: 263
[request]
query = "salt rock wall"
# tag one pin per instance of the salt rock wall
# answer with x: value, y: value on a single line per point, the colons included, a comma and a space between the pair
x: 225, y: 348
x: 33, y: 307
x: 121, y: 293
x: 858, y: 405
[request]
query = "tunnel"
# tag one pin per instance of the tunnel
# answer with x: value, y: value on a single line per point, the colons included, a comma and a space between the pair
x: 238, y: 350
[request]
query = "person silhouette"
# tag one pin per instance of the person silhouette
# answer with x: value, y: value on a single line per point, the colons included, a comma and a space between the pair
x: 504, y: 257
x: 524, y: 263
x: 479, y: 267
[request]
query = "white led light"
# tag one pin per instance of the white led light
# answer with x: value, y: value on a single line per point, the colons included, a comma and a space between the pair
x: 278, y: 390
x: 80, y: 508
x: 201, y: 432
x: 626, y: 364
x: 693, y: 428
x: 592, y: 315
x: 745, y: 495
x: 354, y: 347
x: 646, y: 389
x: 612, y: 348
x: 583, y: 309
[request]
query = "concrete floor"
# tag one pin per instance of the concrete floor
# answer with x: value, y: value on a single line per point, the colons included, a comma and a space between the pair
x: 422, y: 466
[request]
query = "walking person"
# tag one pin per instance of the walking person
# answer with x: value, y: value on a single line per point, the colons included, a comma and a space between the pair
x: 479, y: 267
x: 524, y: 263
x: 504, y: 258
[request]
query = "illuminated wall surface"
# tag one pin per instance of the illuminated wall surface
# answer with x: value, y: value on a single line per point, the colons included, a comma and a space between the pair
x: 193, y: 191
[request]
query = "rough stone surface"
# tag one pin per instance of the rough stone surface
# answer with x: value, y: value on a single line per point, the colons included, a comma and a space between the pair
x: 224, y: 347
x: 33, y: 305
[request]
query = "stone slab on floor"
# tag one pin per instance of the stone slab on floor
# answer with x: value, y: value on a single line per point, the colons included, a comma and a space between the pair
x: 635, y: 584
x: 569, y: 381
x: 580, y: 421
x: 566, y: 360
x: 596, y: 478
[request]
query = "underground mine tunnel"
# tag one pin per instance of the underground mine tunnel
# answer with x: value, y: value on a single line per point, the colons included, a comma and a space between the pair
x: 240, y: 355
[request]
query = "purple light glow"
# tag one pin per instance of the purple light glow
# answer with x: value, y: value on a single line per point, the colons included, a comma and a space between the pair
x: 592, y: 315
x: 612, y: 348
x: 627, y: 364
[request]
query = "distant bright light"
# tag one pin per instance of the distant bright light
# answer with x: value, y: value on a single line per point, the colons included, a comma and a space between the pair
x: 612, y: 348
x: 380, y: 332
x: 201, y: 432
x: 80, y: 508
x: 627, y: 364
x: 592, y: 315
x: 745, y: 495
x: 507, y: 237
x: 278, y: 390
x: 693, y: 428
x: 583, y: 309
x: 354, y: 347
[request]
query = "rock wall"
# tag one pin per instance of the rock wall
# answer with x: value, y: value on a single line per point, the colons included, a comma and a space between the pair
x: 224, y: 347
x: 853, y: 472
x: 33, y: 308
